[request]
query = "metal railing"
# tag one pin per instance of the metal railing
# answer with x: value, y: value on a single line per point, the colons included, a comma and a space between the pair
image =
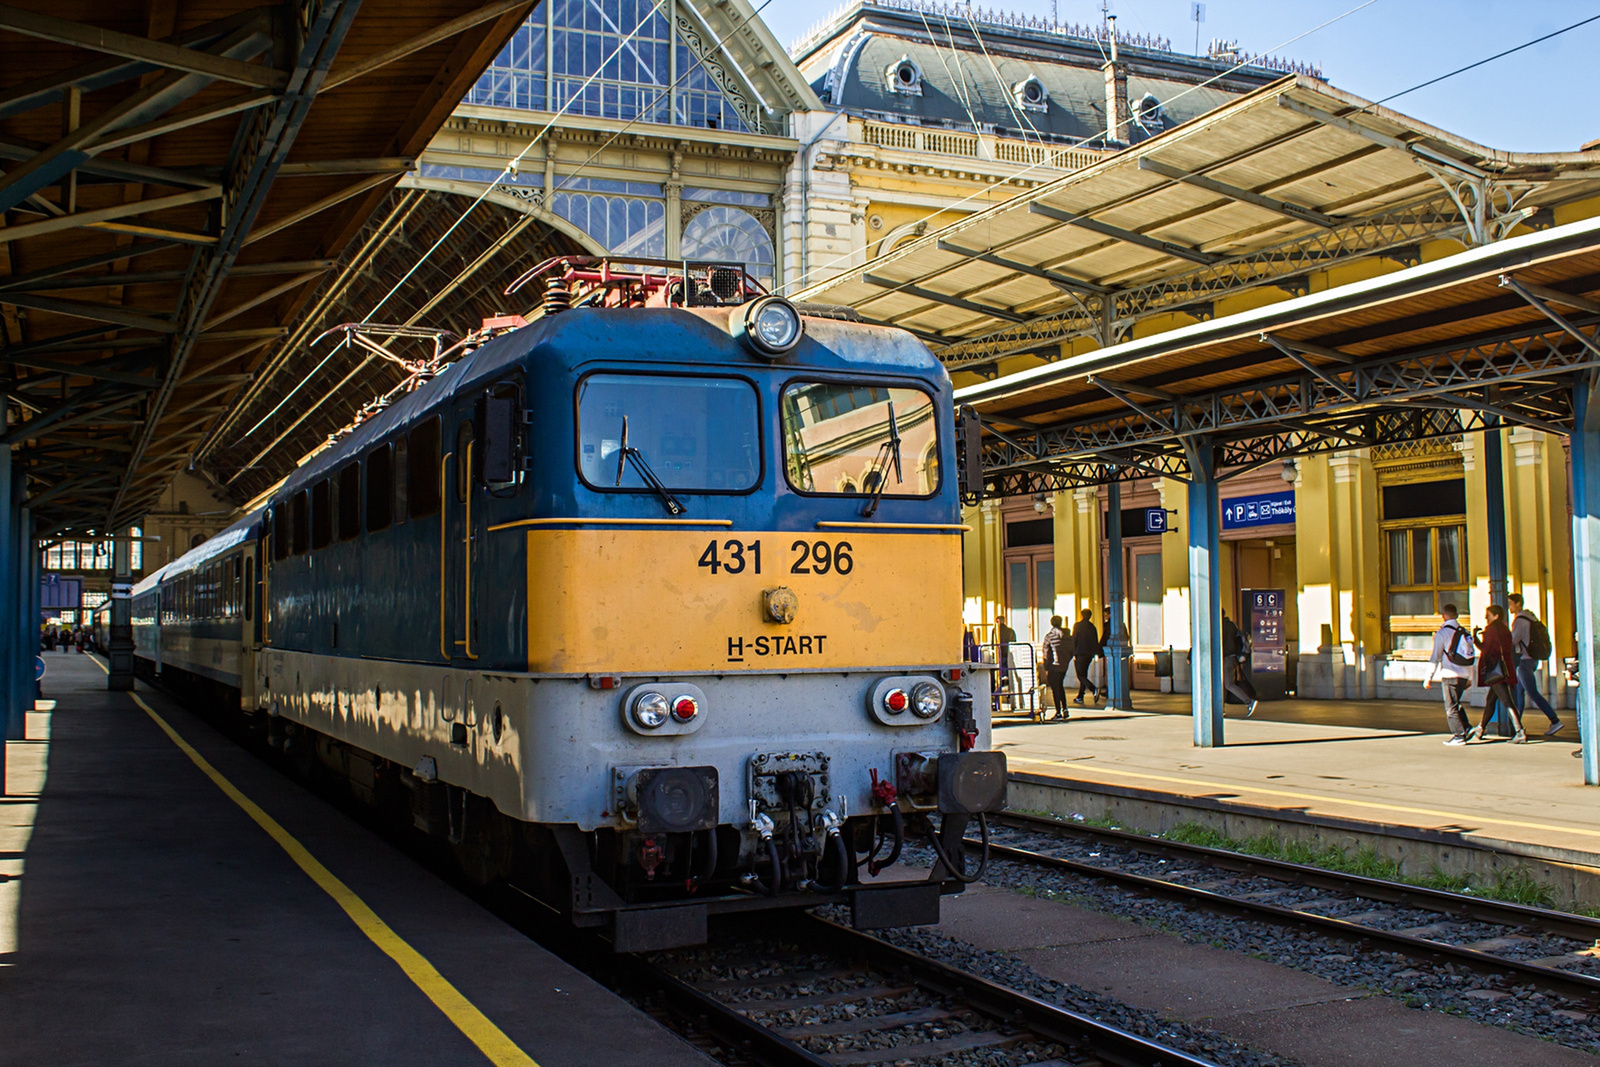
x: 908, y: 138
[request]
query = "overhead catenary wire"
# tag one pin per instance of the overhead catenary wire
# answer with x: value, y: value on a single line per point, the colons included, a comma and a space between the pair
x: 655, y: 7
x: 1490, y: 59
x: 510, y: 167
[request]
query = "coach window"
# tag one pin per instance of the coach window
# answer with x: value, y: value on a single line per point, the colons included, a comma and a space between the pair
x: 401, y: 480
x: 422, y: 471
x: 321, y: 514
x: 463, y: 471
x: 249, y: 587
x: 350, y: 502
x: 380, y: 488
x: 238, y: 587
x: 839, y: 435
x: 299, y: 508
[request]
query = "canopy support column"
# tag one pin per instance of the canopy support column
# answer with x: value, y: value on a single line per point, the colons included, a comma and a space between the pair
x: 1118, y: 692
x: 15, y: 721
x: 119, y: 676
x: 1495, y: 535
x: 1205, y: 594
x: 1586, y: 561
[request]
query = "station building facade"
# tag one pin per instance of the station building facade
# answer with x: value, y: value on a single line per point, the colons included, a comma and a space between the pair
x: 684, y: 129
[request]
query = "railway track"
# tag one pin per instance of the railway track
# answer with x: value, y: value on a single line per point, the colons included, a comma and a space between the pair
x: 1548, y: 949
x: 824, y: 994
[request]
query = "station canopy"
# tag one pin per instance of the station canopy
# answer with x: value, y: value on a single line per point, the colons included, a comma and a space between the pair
x: 178, y: 182
x: 1502, y: 335
x: 1283, y: 181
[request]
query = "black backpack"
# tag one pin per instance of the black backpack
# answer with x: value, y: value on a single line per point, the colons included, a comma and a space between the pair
x: 1452, y: 655
x: 1539, y: 647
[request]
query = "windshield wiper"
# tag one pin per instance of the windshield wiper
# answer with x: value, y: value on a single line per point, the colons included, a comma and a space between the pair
x: 888, y: 452
x: 627, y: 453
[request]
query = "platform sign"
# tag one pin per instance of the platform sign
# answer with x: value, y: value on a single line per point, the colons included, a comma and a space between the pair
x: 38, y: 668
x: 121, y: 590
x: 1155, y: 520
x: 1263, y: 509
x: 1268, y: 642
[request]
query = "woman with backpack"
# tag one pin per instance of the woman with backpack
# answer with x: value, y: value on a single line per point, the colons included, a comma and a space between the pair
x: 1531, y: 642
x: 1497, y: 671
x: 1452, y: 662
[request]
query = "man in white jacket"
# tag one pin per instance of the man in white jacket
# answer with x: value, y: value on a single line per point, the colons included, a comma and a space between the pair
x: 1452, y: 664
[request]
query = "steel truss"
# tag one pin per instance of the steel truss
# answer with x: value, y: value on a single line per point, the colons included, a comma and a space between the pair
x: 1397, y: 231
x: 1507, y: 378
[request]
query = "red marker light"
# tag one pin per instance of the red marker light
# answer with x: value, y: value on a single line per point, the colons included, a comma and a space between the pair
x: 896, y: 701
x: 685, y: 708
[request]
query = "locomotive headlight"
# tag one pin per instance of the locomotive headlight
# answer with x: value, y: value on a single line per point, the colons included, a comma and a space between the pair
x: 770, y: 327
x: 650, y: 710
x: 927, y: 700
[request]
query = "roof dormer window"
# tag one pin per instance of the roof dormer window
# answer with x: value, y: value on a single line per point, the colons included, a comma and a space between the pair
x: 1031, y: 95
x: 904, y: 76
x: 1148, y: 113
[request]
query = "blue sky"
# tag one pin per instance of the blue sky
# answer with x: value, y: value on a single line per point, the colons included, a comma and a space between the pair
x: 1543, y: 98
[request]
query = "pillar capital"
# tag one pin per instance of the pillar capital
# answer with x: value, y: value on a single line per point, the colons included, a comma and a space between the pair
x: 1527, y: 446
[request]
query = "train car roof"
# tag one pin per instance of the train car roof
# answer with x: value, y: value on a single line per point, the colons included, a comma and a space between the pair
x: 230, y: 538
x: 582, y: 337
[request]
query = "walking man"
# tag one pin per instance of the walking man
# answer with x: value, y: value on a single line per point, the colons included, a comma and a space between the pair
x: 1452, y: 665
x: 1053, y: 661
x: 1085, y: 648
x: 1530, y: 638
x: 1234, y: 678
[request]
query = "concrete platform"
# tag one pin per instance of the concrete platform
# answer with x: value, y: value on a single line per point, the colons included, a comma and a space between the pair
x: 1271, y: 1008
x: 1351, y: 773
x: 146, y: 918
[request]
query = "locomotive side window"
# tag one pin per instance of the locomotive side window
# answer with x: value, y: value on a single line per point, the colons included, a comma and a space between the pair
x: 280, y: 530
x: 695, y: 434
x: 845, y: 438
x: 401, y: 479
x: 422, y: 469
x: 501, y: 420
x: 350, y: 502
x: 321, y: 514
x: 380, y: 488
x: 300, y: 520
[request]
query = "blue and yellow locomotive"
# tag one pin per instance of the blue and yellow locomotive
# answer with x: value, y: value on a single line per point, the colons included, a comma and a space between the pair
x: 653, y: 610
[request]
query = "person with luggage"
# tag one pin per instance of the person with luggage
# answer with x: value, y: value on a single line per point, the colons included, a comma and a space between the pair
x: 1530, y: 640
x: 1496, y: 671
x: 1053, y: 662
x: 1451, y: 664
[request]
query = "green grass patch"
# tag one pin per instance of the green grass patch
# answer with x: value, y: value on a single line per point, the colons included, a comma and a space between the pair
x: 1516, y: 885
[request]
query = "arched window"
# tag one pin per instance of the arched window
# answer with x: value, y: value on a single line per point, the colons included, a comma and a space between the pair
x: 731, y: 235
x: 636, y: 44
x: 621, y: 224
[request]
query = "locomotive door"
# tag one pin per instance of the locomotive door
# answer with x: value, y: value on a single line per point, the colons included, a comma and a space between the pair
x: 461, y: 531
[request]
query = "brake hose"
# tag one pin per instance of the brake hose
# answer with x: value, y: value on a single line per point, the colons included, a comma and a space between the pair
x: 955, y: 872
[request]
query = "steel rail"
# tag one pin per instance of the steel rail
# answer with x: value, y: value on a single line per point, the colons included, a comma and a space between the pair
x: 1580, y: 986
x: 1082, y: 1033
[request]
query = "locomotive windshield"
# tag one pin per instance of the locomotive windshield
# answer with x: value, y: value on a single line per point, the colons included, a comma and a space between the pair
x: 695, y: 434
x: 842, y: 438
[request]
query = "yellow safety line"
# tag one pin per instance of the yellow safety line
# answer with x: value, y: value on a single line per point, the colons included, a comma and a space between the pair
x: 611, y: 522
x: 489, y: 1038
x: 951, y: 526
x: 1235, y: 787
